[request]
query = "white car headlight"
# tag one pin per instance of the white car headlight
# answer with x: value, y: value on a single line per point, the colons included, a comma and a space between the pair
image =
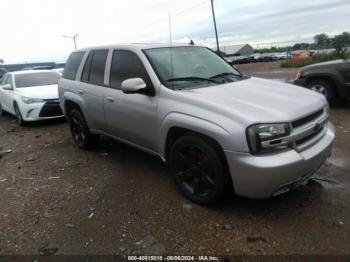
x: 29, y: 100
x: 258, y: 134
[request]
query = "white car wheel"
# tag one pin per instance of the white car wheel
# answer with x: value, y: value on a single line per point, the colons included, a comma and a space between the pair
x: 2, y: 112
x: 19, y: 117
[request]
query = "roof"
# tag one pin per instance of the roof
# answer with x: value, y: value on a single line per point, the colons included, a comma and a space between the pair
x: 139, y: 46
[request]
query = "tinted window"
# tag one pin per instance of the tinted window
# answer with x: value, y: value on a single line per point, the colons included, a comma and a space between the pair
x: 86, y: 71
x: 72, y: 65
x: 125, y: 65
x: 37, y: 79
x: 94, y: 68
x: 98, y: 64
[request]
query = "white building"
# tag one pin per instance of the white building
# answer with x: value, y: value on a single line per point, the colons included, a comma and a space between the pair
x: 237, y: 50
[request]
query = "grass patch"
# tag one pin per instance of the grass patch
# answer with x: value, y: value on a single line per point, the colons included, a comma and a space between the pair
x: 311, y: 60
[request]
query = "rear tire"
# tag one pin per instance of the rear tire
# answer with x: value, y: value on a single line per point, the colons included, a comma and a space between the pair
x: 81, y: 134
x: 323, y: 87
x: 197, y: 169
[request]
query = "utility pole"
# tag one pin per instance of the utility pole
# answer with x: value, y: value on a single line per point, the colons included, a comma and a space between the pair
x: 73, y: 38
x: 216, y: 31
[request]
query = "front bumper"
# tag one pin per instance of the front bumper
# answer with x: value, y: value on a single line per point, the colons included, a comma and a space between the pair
x: 41, y: 111
x: 265, y: 176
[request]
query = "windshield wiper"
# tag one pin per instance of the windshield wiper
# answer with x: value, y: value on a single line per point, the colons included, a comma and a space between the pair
x: 192, y: 78
x: 225, y: 74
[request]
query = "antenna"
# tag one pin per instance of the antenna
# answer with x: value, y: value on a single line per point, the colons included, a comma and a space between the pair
x: 171, y: 49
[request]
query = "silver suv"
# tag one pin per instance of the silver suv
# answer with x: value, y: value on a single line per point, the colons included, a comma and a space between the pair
x: 215, y: 127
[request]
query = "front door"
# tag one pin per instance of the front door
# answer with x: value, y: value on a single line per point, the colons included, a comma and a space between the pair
x: 130, y: 117
x: 7, y: 95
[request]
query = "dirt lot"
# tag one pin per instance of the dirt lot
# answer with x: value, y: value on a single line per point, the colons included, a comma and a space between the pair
x: 115, y: 199
x: 271, y: 70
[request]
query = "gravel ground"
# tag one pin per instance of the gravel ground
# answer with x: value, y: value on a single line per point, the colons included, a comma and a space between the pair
x: 57, y: 199
x: 269, y: 70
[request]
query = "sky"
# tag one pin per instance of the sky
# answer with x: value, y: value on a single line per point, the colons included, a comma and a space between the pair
x: 32, y: 30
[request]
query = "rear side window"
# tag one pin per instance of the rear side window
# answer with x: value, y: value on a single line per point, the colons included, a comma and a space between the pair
x: 125, y: 65
x: 72, y: 65
x: 94, y: 68
x: 86, y: 71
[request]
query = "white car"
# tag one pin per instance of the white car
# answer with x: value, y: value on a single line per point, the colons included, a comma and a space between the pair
x: 58, y: 70
x: 30, y: 95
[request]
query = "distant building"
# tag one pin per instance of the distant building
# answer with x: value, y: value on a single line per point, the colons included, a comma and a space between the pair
x: 237, y: 50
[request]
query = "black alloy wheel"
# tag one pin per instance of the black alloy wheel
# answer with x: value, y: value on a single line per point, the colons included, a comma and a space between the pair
x: 197, y: 170
x: 81, y: 134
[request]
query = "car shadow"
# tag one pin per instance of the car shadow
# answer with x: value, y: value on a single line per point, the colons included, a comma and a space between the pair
x: 128, y: 156
x: 42, y: 123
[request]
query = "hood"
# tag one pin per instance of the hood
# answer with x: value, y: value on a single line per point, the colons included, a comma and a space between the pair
x: 42, y: 92
x: 258, y: 100
x: 325, y: 64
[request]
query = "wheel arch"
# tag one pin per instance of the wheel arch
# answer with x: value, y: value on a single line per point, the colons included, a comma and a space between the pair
x: 178, y: 123
x: 331, y: 79
x: 69, y: 105
x: 175, y: 132
x: 70, y: 101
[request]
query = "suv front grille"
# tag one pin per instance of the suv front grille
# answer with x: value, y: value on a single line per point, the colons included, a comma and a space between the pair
x: 305, y: 131
x: 308, y: 137
x: 309, y: 129
x: 307, y: 119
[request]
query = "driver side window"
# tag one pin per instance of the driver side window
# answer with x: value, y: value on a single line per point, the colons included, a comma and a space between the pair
x: 125, y: 65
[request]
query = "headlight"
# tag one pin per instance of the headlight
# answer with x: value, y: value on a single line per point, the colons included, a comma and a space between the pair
x: 298, y: 75
x: 263, y: 138
x: 29, y: 100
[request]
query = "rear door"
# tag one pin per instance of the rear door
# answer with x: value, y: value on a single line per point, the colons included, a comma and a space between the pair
x: 130, y: 117
x: 91, y: 88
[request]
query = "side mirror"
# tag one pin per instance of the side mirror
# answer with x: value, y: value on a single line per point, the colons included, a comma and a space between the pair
x: 133, y: 86
x: 7, y: 87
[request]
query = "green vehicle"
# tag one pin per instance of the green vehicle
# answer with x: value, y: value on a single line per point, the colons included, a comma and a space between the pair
x: 332, y: 79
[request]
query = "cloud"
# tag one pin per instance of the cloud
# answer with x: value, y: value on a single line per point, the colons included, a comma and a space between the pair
x: 34, y: 28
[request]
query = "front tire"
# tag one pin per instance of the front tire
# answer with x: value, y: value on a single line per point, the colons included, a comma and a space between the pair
x: 2, y: 112
x: 19, y: 117
x: 323, y: 87
x: 198, y: 170
x: 81, y: 134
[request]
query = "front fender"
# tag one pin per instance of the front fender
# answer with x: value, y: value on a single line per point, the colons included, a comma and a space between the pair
x: 75, y: 98
x: 205, y: 127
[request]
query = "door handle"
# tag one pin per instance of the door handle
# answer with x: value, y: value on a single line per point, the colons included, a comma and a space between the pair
x: 80, y: 92
x: 110, y: 99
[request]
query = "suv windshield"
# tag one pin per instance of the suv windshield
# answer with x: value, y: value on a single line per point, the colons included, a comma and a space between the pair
x: 179, y: 67
x: 37, y: 79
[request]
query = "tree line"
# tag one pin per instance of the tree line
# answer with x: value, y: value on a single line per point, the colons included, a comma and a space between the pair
x: 321, y: 41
